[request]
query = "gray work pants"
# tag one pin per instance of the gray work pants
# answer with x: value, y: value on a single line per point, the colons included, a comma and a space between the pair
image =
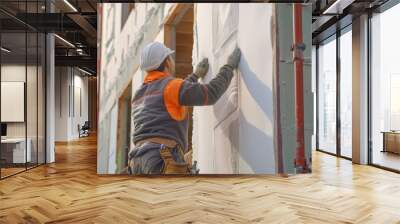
x: 146, y: 159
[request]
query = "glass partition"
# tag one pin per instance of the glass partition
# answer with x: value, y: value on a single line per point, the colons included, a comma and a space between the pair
x: 346, y: 93
x: 334, y: 94
x: 327, y: 96
x: 22, y: 78
x: 385, y: 89
x: 13, y: 104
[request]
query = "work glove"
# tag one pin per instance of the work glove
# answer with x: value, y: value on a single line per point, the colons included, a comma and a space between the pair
x: 202, y: 68
x: 234, y: 58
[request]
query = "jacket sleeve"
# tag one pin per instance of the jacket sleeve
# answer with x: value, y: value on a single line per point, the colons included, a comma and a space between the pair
x: 192, y: 78
x: 197, y: 94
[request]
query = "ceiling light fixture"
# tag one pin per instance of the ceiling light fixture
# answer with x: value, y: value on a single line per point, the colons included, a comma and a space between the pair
x: 337, y: 7
x: 64, y: 40
x: 84, y: 71
x: 70, y: 5
x: 5, y: 50
x: 80, y: 51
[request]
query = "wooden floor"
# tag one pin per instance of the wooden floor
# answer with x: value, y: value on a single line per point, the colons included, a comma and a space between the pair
x: 386, y: 159
x: 69, y: 191
x: 10, y: 171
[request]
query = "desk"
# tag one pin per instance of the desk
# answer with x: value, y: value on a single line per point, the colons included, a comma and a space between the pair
x: 13, y: 150
x: 391, y: 141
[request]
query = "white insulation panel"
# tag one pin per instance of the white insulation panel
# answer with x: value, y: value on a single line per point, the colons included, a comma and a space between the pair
x: 238, y: 134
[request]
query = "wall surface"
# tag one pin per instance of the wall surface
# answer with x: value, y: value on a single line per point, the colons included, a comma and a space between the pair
x: 33, y: 126
x: 92, y: 100
x: 237, y: 134
x: 16, y: 73
x: 71, y: 102
x: 119, y: 61
x: 238, y: 137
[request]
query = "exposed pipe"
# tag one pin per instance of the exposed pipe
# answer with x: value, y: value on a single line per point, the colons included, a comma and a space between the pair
x: 276, y: 89
x: 298, y: 48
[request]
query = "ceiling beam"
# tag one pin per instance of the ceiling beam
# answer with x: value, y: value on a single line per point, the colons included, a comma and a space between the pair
x: 83, y: 61
x: 84, y: 24
x: 49, y: 22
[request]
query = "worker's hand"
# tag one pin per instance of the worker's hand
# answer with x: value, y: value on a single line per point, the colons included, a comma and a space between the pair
x: 234, y: 58
x: 202, y: 68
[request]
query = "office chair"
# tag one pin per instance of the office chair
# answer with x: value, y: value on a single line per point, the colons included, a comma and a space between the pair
x: 84, y: 130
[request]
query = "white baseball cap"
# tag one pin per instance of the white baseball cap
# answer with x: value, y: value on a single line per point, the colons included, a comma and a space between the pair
x: 153, y: 55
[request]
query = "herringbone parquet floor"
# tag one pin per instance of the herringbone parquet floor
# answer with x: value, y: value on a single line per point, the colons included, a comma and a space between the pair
x: 69, y: 191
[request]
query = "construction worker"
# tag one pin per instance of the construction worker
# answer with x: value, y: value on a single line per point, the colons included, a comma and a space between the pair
x: 159, y: 110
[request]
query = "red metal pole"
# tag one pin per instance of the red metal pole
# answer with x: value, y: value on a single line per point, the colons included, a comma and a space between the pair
x: 298, y: 47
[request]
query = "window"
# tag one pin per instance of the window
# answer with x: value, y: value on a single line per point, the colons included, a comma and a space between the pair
x: 394, y: 102
x: 385, y: 89
x: 327, y: 96
x: 346, y: 93
x: 334, y: 94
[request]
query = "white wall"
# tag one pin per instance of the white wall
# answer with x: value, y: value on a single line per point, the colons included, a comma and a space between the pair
x: 33, y: 126
x: 80, y: 84
x: 69, y: 81
x: 238, y: 134
x: 61, y: 103
x: 12, y: 73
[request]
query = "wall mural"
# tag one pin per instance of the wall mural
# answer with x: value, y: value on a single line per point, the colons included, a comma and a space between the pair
x: 226, y: 134
x: 119, y: 68
x: 236, y: 135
